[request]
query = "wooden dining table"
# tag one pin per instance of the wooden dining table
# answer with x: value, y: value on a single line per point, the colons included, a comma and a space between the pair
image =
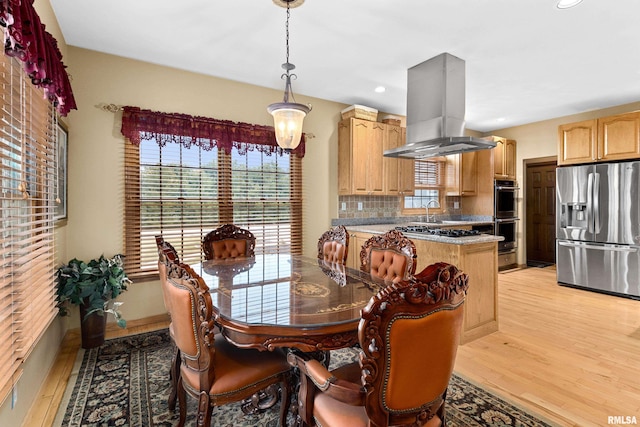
x: 287, y: 301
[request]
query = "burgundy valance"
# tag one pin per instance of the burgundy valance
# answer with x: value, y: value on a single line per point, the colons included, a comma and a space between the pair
x: 26, y: 39
x: 207, y: 133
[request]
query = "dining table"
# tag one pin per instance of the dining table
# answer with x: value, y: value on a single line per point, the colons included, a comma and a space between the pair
x: 282, y: 300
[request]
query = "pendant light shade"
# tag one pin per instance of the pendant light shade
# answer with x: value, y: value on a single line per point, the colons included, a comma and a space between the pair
x: 288, y: 116
x: 287, y: 119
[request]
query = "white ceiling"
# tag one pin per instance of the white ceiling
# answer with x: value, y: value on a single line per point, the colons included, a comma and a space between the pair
x: 526, y: 60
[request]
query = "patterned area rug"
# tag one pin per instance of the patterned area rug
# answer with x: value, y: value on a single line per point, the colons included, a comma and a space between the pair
x: 126, y: 383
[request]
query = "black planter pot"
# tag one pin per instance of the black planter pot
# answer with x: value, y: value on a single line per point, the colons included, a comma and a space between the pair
x: 92, y: 328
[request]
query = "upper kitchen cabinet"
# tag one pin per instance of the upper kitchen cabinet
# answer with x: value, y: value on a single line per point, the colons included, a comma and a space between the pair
x: 399, y: 175
x: 407, y: 174
x: 360, y: 145
x: 462, y: 174
x: 362, y: 168
x: 604, y: 139
x: 504, y: 158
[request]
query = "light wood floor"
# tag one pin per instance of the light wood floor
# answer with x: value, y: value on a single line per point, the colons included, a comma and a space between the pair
x: 571, y: 356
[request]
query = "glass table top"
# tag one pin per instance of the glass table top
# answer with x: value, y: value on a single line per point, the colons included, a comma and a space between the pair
x: 287, y: 290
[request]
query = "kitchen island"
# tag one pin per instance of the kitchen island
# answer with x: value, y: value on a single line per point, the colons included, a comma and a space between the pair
x: 477, y: 256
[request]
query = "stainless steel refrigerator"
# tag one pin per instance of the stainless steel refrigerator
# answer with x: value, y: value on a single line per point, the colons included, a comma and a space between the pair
x: 598, y: 227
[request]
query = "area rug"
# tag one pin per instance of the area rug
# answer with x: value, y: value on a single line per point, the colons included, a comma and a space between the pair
x: 125, y: 382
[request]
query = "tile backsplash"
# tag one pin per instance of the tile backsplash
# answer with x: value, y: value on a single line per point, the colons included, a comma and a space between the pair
x: 383, y: 206
x: 368, y: 206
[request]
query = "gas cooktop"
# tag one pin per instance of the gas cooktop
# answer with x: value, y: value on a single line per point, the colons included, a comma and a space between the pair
x: 447, y: 232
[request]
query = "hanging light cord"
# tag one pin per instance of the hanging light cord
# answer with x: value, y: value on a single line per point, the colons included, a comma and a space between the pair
x: 287, y: 65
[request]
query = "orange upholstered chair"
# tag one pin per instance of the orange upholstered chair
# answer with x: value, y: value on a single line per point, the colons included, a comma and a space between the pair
x: 333, y: 245
x: 228, y: 241
x: 390, y: 256
x: 167, y: 255
x: 409, y: 335
x: 213, y: 370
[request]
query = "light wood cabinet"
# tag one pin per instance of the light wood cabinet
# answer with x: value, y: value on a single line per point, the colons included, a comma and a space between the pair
x: 577, y: 142
x: 406, y: 176
x: 392, y: 139
x: 504, y: 158
x: 597, y: 140
x: 480, y: 263
x: 360, y: 158
x: 462, y: 174
x: 362, y: 168
x: 356, y: 240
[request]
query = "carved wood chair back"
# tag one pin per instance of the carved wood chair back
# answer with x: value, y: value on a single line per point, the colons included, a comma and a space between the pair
x: 228, y: 241
x: 390, y: 256
x: 333, y: 245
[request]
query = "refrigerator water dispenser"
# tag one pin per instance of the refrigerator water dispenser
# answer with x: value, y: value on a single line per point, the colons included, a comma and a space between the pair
x: 573, y: 215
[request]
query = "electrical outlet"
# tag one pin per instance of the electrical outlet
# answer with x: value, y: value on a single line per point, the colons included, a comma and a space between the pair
x: 343, y: 207
x: 359, y: 206
x: 456, y: 205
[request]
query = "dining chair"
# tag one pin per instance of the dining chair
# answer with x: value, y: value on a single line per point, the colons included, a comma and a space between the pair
x: 167, y: 255
x: 228, y: 241
x: 333, y: 245
x: 408, y: 334
x: 390, y: 256
x: 167, y: 249
x: 213, y: 370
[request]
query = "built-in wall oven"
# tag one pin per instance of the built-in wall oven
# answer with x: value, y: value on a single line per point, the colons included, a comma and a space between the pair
x: 506, y: 221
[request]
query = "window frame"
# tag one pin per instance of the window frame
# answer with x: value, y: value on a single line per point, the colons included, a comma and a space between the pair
x: 441, y: 187
x: 133, y: 228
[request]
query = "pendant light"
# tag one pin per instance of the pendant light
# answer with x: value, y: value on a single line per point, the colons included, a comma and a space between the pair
x: 288, y: 116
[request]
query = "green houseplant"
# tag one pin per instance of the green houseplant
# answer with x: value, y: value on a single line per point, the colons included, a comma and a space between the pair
x: 92, y: 286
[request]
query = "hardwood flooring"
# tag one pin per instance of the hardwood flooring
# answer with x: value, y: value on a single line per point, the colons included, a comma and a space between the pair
x: 571, y: 356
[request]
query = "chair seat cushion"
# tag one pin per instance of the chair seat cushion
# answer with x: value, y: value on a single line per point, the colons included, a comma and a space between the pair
x: 237, y: 369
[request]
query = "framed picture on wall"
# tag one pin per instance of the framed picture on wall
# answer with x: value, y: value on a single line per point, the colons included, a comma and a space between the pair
x: 60, y: 190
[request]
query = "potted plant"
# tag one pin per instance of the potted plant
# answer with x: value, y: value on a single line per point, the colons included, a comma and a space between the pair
x: 92, y: 286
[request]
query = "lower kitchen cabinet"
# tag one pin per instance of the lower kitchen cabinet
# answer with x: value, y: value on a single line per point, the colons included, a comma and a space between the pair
x: 356, y: 240
x: 480, y: 262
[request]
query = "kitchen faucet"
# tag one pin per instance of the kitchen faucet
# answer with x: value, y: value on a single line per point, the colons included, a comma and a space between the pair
x: 427, y: 208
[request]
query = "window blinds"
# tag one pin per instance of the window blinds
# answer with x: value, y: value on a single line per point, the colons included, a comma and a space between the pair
x: 27, y: 291
x: 183, y: 191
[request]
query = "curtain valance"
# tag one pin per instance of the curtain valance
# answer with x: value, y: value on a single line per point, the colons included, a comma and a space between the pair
x: 208, y: 133
x: 26, y: 39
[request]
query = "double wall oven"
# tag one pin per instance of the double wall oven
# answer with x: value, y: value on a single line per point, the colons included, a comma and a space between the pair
x: 505, y: 215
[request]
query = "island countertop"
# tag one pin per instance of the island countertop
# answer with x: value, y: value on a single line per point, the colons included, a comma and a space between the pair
x: 469, y: 240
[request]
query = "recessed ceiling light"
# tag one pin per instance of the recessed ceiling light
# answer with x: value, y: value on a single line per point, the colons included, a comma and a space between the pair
x: 500, y: 119
x: 566, y: 4
x: 380, y: 89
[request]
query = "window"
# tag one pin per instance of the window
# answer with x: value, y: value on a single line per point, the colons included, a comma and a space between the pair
x: 429, y: 185
x: 27, y: 177
x: 183, y: 191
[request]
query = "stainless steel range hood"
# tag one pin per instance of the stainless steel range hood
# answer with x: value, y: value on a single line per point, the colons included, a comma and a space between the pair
x: 435, y: 111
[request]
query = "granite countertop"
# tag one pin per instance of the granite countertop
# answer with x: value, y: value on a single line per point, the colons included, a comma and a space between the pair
x: 470, y: 240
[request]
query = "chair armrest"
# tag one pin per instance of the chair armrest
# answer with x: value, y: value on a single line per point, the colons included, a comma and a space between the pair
x: 342, y: 390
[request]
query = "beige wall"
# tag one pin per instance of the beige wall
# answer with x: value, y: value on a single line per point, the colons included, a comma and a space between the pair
x: 96, y: 150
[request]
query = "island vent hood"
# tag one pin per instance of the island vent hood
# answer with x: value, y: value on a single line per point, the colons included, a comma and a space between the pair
x: 435, y: 111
